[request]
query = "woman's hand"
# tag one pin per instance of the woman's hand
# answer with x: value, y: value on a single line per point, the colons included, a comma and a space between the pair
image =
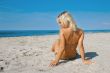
x: 53, y: 63
x: 88, y: 62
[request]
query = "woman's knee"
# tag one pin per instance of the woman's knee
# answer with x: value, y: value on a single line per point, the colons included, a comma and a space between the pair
x: 55, y: 46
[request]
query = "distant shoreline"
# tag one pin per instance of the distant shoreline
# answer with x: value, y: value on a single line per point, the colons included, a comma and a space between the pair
x: 17, y: 33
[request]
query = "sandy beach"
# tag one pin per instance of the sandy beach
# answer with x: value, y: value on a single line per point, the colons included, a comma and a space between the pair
x: 32, y: 54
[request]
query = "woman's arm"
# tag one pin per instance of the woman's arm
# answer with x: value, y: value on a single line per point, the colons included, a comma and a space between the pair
x: 82, y: 51
x: 61, y: 50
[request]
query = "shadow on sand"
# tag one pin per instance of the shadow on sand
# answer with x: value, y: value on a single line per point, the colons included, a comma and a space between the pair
x: 88, y: 55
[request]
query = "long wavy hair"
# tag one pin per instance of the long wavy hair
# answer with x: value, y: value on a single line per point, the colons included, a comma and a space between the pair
x: 67, y: 19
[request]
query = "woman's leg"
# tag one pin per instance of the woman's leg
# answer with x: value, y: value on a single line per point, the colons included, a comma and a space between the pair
x: 55, y: 46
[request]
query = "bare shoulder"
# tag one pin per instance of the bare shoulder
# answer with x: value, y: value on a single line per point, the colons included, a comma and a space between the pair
x: 81, y: 31
x: 62, y: 31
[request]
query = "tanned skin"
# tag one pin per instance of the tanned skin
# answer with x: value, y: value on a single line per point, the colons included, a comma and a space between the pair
x: 65, y: 47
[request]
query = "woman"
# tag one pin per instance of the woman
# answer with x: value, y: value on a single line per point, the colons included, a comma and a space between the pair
x: 69, y: 38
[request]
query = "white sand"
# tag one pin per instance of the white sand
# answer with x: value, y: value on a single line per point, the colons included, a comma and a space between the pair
x: 32, y: 54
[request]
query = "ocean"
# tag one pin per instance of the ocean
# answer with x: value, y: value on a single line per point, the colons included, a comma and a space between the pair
x: 17, y: 33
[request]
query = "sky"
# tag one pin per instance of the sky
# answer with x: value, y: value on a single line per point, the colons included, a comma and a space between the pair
x: 42, y: 14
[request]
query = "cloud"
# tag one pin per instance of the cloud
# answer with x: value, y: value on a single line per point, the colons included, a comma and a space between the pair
x: 106, y: 23
x: 33, y: 21
x: 47, y: 20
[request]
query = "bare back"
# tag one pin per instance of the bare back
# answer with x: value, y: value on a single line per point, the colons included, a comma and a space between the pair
x: 71, y: 42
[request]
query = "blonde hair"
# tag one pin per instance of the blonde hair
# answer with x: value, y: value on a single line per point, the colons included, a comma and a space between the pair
x: 67, y: 19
